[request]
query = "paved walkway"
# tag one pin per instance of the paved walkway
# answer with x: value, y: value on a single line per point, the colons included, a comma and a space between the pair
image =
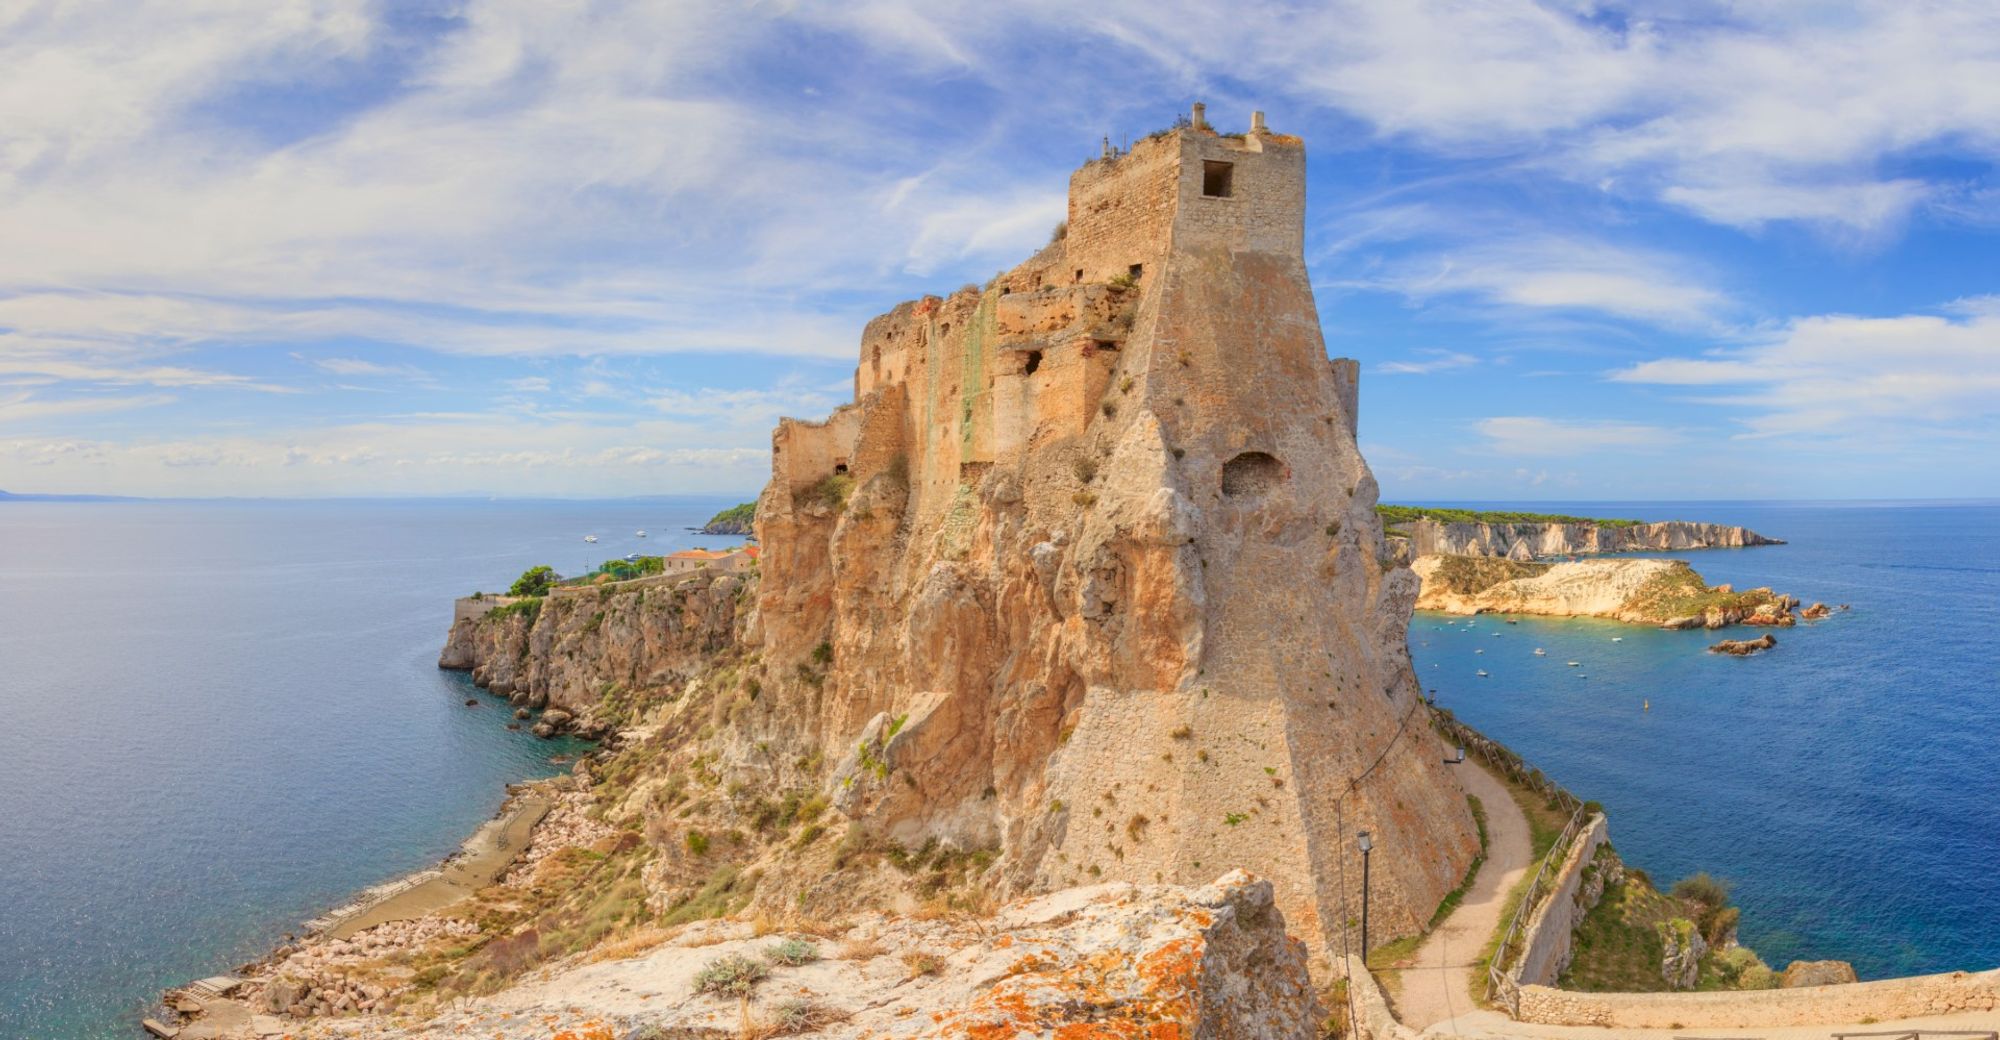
x: 1436, y: 984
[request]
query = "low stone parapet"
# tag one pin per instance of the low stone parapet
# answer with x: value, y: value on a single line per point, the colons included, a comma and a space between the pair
x: 1885, y: 1000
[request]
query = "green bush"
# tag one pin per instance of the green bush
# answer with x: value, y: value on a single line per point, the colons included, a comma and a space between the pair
x: 791, y: 952
x: 534, y: 581
x: 734, y: 975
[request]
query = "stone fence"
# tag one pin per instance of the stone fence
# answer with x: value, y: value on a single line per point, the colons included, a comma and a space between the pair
x: 1886, y: 1000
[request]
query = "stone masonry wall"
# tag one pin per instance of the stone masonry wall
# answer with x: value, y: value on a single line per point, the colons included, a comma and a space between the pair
x: 1886, y: 1000
x: 1550, y: 931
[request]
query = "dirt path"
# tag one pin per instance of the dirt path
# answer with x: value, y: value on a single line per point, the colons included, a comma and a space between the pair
x: 1435, y: 984
x: 485, y: 856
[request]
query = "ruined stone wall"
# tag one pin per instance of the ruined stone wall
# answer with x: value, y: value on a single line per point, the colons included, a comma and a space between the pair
x: 1887, y: 1000
x: 1121, y: 211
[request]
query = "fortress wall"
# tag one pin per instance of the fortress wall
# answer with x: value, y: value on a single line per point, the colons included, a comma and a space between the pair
x: 1547, y: 937
x: 1886, y: 1000
x: 1121, y: 211
x: 466, y: 608
x: 803, y: 453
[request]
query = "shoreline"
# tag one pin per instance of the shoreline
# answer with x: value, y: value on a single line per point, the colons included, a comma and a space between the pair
x: 238, y: 1003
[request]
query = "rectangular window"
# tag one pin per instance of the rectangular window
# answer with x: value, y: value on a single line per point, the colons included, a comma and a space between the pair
x: 1215, y: 178
x: 1135, y: 271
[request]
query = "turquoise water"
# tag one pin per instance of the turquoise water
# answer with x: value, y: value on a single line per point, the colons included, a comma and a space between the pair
x: 1847, y: 781
x: 218, y: 719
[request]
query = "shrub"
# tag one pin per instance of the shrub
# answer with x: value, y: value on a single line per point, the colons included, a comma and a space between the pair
x: 697, y: 843
x: 1060, y: 232
x: 822, y: 654
x: 534, y: 581
x: 1704, y: 888
x: 921, y: 963
x: 734, y: 975
x: 791, y: 952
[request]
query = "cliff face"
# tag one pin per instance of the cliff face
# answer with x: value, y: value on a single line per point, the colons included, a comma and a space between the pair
x: 1096, y: 560
x: 1523, y: 541
x: 577, y: 648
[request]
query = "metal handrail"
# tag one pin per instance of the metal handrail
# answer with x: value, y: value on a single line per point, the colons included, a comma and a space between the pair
x: 1496, y: 970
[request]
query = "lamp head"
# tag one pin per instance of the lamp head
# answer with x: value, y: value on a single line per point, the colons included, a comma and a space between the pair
x: 1364, y: 840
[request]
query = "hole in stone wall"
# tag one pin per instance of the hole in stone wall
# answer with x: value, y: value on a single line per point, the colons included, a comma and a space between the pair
x: 1079, y: 274
x: 1135, y: 271
x: 1033, y: 362
x: 1215, y: 178
x: 840, y: 467
x: 1251, y: 473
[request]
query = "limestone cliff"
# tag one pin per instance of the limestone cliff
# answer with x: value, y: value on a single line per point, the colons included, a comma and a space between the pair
x: 1654, y: 592
x: 1094, y: 562
x: 1531, y: 540
x: 581, y: 650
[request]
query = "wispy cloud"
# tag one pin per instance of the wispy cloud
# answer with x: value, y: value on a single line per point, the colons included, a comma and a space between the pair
x: 1533, y: 435
x: 1433, y: 361
x: 1853, y: 375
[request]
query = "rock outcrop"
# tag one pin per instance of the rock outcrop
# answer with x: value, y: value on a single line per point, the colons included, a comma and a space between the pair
x: 1681, y: 948
x: 1654, y: 592
x: 1530, y: 540
x: 1816, y: 973
x: 1744, y: 647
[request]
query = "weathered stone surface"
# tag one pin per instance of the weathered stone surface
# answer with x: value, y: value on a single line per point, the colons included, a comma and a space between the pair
x: 1113, y: 961
x: 1681, y: 947
x: 1642, y: 591
x: 1816, y: 973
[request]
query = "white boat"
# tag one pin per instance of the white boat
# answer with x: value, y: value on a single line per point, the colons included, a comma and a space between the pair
x: 1575, y: 664
x: 590, y: 538
x: 1479, y: 651
x: 1617, y: 639
x: 1539, y: 652
x: 1482, y: 673
x: 640, y: 534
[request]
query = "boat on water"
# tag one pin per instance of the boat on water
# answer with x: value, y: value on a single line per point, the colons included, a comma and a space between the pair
x: 1479, y: 651
x: 1482, y: 673
x: 1617, y: 639
x: 1575, y: 664
x: 631, y: 557
x: 590, y: 538
x: 639, y: 534
x: 1539, y: 652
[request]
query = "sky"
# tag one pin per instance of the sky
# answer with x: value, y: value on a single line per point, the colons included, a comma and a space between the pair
x: 561, y: 247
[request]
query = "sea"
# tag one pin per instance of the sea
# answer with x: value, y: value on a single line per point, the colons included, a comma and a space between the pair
x: 1846, y: 782
x: 221, y: 718
x: 218, y: 719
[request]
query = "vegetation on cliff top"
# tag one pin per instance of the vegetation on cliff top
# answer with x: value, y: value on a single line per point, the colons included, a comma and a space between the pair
x: 535, y: 581
x: 1404, y: 514
x: 1469, y: 575
x: 1680, y: 593
x: 737, y: 519
x: 1618, y: 945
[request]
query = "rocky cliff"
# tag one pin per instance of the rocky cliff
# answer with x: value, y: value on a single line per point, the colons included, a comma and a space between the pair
x: 1531, y: 540
x: 1652, y: 592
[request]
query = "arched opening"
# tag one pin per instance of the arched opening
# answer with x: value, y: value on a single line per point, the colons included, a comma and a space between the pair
x: 1251, y: 473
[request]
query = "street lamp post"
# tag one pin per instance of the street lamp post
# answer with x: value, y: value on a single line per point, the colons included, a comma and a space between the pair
x: 1367, y: 843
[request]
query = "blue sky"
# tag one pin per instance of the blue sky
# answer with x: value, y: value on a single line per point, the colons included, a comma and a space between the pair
x: 1583, y: 251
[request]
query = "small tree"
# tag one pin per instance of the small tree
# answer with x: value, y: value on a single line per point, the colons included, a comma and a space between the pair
x: 534, y: 581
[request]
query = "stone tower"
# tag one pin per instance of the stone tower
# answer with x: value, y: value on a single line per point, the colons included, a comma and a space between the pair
x: 1097, y: 561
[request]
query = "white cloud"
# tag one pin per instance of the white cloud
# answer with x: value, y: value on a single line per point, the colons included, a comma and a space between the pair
x: 1433, y: 361
x: 1553, y: 272
x: 1533, y: 435
x: 1855, y: 375
x: 19, y: 408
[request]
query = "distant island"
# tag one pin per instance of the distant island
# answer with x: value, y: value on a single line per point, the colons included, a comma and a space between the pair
x: 1432, y: 530
x: 10, y: 496
x: 736, y: 519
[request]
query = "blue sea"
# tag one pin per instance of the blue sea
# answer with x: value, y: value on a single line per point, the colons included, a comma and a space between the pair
x: 1847, y: 782
x: 218, y: 719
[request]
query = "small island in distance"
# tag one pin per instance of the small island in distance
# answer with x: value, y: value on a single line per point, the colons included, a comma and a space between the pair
x: 737, y: 519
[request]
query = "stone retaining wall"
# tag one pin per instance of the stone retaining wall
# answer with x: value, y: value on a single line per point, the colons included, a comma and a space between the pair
x: 1886, y: 1000
x: 1547, y: 937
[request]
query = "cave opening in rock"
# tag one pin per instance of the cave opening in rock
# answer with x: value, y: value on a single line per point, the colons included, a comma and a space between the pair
x: 1251, y: 473
x: 1034, y: 362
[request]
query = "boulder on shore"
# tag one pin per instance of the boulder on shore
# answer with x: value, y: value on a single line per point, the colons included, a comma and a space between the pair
x: 1744, y: 647
x: 1816, y: 973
